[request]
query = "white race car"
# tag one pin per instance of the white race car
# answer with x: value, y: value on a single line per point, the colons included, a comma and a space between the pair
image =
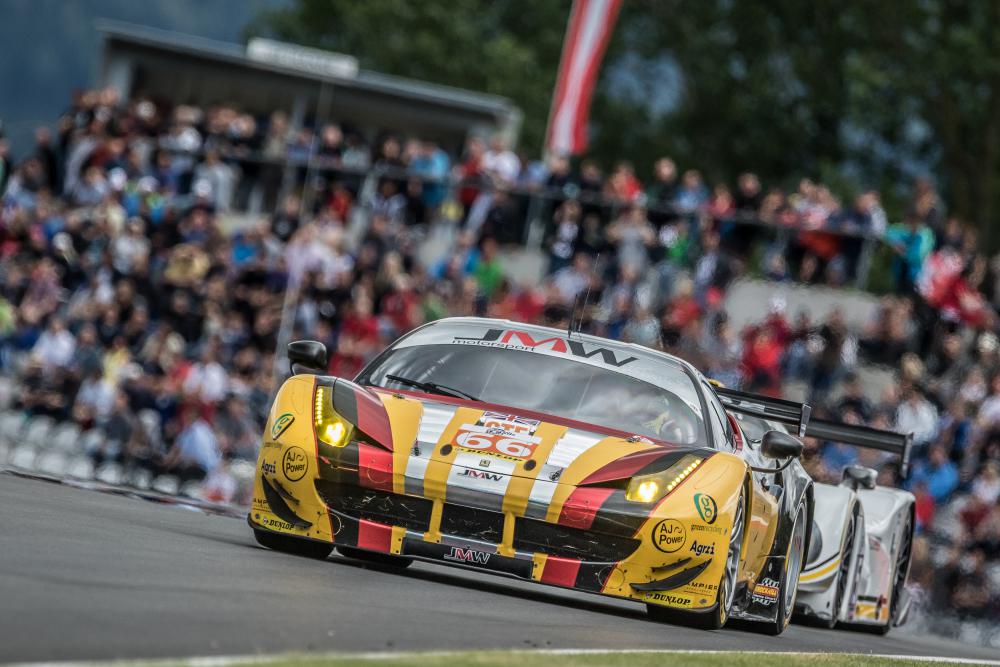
x: 862, y: 536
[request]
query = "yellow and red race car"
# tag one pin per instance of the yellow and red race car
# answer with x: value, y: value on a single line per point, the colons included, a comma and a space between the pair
x: 547, y: 455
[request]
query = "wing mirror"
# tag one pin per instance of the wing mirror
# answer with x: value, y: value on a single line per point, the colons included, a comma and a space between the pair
x: 780, y: 445
x: 859, y: 477
x: 310, y: 354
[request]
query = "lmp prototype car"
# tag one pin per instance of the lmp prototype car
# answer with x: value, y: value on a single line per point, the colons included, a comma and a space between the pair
x: 547, y: 455
x: 862, y: 534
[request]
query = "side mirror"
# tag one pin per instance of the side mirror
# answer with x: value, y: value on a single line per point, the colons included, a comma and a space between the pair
x: 859, y: 477
x: 780, y: 445
x: 310, y: 354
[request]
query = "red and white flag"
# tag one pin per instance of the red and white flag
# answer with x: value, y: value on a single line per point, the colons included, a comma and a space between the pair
x: 590, y: 26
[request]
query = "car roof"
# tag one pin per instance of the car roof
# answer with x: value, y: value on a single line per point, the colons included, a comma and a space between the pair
x: 444, y: 330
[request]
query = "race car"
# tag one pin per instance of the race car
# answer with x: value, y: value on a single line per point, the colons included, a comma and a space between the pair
x: 543, y: 454
x: 862, y: 537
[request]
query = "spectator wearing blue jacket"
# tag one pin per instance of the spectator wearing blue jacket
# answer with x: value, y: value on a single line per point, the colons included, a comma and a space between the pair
x: 837, y: 456
x: 938, y: 473
x: 913, y: 241
x: 432, y: 165
x: 692, y: 195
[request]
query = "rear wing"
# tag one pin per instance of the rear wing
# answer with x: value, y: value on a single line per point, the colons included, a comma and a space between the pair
x: 799, y: 416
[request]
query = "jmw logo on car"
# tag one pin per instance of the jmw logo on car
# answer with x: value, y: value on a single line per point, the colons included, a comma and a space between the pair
x: 480, y: 474
x: 520, y: 339
x: 468, y: 556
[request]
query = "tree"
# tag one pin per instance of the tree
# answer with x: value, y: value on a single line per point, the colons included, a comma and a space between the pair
x: 868, y: 93
x: 505, y: 47
x: 937, y: 65
x: 874, y: 92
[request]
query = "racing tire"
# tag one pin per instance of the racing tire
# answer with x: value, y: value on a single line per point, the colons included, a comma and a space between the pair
x: 899, y: 574
x: 857, y: 561
x: 292, y: 545
x: 844, y: 573
x: 880, y: 630
x: 716, y: 617
x: 788, y: 588
x: 375, y: 557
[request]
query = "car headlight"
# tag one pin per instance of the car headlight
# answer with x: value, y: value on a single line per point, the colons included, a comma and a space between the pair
x: 331, y: 428
x: 651, y: 488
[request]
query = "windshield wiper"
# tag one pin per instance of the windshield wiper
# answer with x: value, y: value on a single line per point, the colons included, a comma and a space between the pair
x: 432, y: 387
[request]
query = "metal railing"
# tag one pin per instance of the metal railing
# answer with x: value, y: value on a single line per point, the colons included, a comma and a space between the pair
x: 535, y: 204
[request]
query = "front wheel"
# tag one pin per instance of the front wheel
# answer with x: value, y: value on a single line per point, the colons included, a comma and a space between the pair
x: 901, y: 568
x: 292, y: 545
x: 846, y: 583
x: 789, y: 584
x: 719, y: 614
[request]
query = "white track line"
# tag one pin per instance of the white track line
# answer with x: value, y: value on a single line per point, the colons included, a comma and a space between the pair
x: 374, y: 656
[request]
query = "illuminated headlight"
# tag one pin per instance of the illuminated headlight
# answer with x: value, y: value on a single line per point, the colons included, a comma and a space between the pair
x: 653, y: 487
x: 331, y: 428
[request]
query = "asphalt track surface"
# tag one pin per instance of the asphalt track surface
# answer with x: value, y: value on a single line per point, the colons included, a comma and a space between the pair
x: 89, y: 575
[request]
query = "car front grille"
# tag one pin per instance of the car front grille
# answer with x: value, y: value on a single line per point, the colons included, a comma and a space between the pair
x: 563, y: 542
x: 472, y: 523
x: 373, y: 505
x: 530, y: 535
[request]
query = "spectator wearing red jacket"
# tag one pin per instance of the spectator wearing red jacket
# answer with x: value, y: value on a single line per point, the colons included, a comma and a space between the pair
x: 762, y: 362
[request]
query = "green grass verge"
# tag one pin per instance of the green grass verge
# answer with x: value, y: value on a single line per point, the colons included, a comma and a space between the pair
x: 611, y: 659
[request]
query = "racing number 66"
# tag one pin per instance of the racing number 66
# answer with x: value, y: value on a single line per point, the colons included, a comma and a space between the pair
x: 504, y: 445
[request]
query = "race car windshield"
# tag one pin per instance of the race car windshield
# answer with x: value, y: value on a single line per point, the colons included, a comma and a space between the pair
x: 561, y: 387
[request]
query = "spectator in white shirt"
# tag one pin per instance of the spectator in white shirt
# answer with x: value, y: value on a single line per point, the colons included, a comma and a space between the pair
x: 95, y: 398
x: 220, y: 178
x: 989, y: 409
x: 207, y: 379
x: 130, y: 248
x: 196, y: 452
x: 55, y: 347
x: 986, y: 487
x: 571, y: 280
x: 500, y: 163
x: 917, y: 416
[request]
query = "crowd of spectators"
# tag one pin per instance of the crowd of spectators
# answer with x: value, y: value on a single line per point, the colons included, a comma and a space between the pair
x: 132, y: 303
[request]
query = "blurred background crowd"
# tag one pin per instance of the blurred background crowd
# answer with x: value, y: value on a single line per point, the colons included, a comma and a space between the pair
x: 153, y: 258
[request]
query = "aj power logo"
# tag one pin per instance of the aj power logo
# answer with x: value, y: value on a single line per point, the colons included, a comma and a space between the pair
x: 669, y: 535
x: 294, y: 464
x: 281, y: 424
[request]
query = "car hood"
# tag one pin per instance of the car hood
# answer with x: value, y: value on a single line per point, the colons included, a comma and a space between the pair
x: 479, y: 440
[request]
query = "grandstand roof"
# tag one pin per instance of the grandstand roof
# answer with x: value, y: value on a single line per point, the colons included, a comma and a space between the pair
x: 163, y: 54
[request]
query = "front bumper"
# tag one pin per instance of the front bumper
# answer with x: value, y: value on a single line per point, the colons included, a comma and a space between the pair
x: 384, y: 521
x: 611, y: 557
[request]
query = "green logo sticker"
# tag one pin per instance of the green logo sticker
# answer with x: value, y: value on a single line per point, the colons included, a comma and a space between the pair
x: 281, y: 424
x: 706, y: 507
